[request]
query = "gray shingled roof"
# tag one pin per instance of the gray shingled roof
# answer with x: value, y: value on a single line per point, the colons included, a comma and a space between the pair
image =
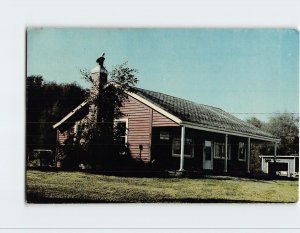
x: 204, y: 115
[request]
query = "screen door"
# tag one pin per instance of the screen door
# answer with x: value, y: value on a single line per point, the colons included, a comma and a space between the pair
x: 208, y: 155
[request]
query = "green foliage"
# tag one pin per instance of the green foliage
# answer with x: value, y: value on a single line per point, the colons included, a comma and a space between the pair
x: 100, y: 134
x: 256, y: 122
x: 46, y: 103
x: 74, y: 153
x: 124, y: 76
x: 283, y: 126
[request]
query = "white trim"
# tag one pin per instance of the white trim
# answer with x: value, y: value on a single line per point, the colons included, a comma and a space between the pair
x: 204, y: 155
x: 294, y: 165
x: 279, y: 156
x: 228, y: 150
x: 70, y: 114
x: 248, y: 154
x: 275, y: 150
x: 76, y: 127
x: 178, y: 155
x: 226, y: 153
x: 75, y: 110
x: 155, y: 107
x: 182, y: 144
x: 123, y: 119
x: 229, y: 132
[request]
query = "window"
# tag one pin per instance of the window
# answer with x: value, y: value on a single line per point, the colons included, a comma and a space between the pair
x: 121, y: 128
x: 242, y: 151
x: 164, y: 135
x: 188, y: 147
x: 220, y: 151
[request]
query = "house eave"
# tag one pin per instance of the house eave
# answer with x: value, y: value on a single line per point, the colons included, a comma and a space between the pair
x: 155, y: 107
x: 278, y: 156
x: 70, y: 114
x: 229, y: 132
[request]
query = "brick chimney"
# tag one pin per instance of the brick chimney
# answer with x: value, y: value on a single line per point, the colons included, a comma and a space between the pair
x: 99, y: 75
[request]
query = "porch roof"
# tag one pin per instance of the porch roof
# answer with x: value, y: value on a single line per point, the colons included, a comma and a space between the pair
x: 201, y: 115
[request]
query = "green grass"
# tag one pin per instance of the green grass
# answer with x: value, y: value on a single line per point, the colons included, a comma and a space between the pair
x: 61, y: 187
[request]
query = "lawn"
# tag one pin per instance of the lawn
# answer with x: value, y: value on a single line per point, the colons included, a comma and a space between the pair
x: 68, y: 187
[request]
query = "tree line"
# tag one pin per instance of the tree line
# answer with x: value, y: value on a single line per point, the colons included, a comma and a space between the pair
x: 284, y: 126
x: 46, y: 104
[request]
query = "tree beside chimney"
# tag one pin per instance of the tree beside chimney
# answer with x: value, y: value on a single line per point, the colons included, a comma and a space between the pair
x: 106, y: 95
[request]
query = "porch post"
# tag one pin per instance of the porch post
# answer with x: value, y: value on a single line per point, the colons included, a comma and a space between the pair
x: 275, y: 152
x: 248, y: 155
x: 226, y: 152
x: 182, y: 148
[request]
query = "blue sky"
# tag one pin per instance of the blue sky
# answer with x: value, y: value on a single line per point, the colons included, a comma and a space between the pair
x: 243, y: 71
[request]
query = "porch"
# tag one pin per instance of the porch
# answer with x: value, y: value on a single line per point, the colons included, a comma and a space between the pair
x: 202, y: 151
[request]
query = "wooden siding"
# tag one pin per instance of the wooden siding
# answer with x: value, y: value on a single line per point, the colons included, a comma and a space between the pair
x: 139, y: 128
x: 62, y: 136
x: 161, y: 120
x: 141, y: 119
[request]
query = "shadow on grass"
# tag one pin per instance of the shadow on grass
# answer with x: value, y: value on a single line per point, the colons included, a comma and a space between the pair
x: 36, y: 199
x: 264, y: 178
x: 193, y: 175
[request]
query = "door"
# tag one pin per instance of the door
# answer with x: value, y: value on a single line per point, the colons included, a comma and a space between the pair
x: 278, y: 168
x: 207, y: 155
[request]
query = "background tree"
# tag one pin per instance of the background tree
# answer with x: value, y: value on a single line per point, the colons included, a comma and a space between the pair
x: 256, y: 122
x: 46, y: 103
x: 284, y: 126
x: 34, y: 90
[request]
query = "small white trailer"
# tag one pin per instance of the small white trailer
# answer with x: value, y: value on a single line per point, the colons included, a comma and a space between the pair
x: 286, y: 165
